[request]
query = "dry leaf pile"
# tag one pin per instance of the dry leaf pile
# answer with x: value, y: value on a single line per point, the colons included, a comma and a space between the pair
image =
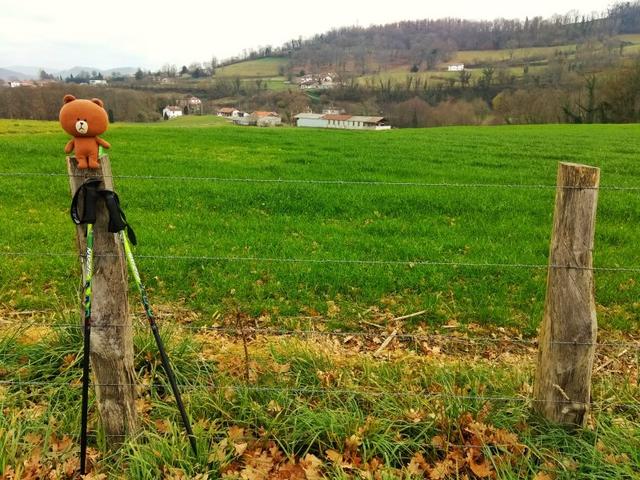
x: 464, y: 455
x: 60, y: 461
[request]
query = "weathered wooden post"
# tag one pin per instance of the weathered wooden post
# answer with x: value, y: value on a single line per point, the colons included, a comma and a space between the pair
x: 568, y: 333
x: 111, y: 336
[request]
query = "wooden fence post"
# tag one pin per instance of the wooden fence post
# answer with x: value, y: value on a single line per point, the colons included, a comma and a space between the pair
x: 568, y: 333
x: 111, y: 332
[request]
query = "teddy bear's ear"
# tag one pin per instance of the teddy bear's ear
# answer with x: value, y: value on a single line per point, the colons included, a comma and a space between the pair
x: 98, y: 102
x: 68, y: 98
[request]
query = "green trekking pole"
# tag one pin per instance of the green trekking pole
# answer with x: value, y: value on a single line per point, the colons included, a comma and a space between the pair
x: 156, y: 334
x: 86, y: 349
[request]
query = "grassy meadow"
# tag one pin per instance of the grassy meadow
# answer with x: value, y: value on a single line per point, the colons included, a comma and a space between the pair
x: 263, y: 67
x: 247, y: 229
x: 331, y: 222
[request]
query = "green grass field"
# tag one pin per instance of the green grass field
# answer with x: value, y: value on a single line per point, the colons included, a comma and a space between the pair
x: 250, y: 201
x: 491, y: 56
x: 399, y: 74
x: 333, y: 222
x: 263, y: 67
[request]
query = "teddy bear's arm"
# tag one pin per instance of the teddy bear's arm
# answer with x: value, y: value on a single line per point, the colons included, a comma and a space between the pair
x: 68, y: 148
x: 102, y: 142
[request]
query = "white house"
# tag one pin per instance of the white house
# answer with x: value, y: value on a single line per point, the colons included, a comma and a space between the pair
x: 15, y: 84
x: 458, y: 67
x: 230, y: 112
x: 99, y: 83
x: 324, y: 81
x: 171, y: 111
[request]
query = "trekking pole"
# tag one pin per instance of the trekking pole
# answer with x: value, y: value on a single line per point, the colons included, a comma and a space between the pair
x: 156, y: 334
x: 89, y: 188
x: 87, y: 348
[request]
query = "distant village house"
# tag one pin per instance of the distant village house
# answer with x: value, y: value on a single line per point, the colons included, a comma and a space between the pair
x: 259, y: 119
x: 191, y: 105
x: 171, y: 111
x: 22, y: 83
x: 99, y: 83
x: 323, y: 81
x: 267, y: 119
x: 458, y: 67
x: 230, y: 112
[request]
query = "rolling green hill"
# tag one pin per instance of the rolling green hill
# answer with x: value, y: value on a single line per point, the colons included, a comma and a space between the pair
x: 261, y: 68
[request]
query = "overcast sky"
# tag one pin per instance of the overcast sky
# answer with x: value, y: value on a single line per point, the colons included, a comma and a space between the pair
x: 118, y: 33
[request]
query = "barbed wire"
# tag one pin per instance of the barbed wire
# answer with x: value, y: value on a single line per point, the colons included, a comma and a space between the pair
x: 248, y: 331
x: 329, y: 182
x: 324, y: 391
x: 332, y: 261
x: 219, y: 438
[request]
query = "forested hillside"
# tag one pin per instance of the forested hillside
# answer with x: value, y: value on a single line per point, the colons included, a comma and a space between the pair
x: 425, y: 43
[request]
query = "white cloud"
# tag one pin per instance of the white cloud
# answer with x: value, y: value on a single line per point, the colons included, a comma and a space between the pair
x: 146, y: 33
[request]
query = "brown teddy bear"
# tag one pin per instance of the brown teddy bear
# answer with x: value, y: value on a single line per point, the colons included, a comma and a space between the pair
x: 84, y: 120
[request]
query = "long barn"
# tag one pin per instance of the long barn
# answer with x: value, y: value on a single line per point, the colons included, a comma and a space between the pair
x: 348, y: 122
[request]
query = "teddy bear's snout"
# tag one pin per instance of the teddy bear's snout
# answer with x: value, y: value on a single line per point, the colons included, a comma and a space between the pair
x: 82, y: 126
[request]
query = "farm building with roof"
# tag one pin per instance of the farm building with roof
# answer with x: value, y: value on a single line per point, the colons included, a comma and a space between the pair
x: 230, y: 112
x: 260, y: 119
x: 349, y: 122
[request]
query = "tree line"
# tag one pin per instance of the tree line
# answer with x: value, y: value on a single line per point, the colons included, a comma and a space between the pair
x: 44, y: 103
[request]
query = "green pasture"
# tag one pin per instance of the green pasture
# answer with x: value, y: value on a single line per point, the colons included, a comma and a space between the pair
x: 287, y: 248
x: 399, y: 75
x: 249, y: 219
x: 493, y: 56
x: 263, y: 67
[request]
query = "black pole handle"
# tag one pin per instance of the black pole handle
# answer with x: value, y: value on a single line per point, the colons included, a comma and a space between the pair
x: 90, y: 204
x: 116, y: 222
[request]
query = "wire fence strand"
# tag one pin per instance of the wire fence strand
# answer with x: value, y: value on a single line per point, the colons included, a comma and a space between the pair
x: 339, y: 182
x: 244, y: 438
x: 422, y: 393
x: 248, y: 331
x: 336, y: 261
